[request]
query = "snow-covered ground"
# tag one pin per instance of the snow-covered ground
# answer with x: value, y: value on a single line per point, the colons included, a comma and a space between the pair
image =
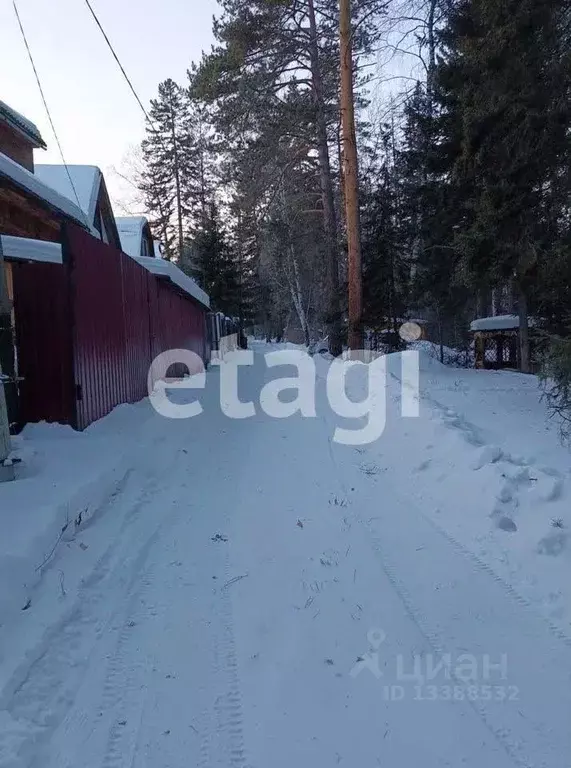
x: 251, y: 593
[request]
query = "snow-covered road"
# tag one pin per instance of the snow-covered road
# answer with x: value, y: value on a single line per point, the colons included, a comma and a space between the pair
x: 258, y: 595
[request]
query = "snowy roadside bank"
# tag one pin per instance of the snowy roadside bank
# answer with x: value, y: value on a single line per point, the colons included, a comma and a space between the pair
x: 484, y: 463
x: 103, y: 475
x: 64, y: 478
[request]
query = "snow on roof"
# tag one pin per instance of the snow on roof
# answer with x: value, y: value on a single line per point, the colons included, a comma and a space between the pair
x: 165, y: 268
x: 86, y: 180
x: 31, y: 183
x: 497, y: 323
x: 157, y: 247
x: 130, y: 230
x: 26, y: 249
x: 22, y: 124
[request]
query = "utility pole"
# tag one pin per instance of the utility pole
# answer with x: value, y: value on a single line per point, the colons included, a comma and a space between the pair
x: 6, y: 469
x: 351, y: 178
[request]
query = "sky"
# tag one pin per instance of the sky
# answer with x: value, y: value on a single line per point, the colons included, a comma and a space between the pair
x: 95, y: 114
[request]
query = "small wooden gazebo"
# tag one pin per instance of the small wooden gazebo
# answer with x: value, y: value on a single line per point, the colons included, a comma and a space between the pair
x: 496, y: 341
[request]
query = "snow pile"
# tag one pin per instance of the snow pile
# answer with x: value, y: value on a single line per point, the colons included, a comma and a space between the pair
x: 458, y: 358
x: 487, y: 466
x: 64, y: 477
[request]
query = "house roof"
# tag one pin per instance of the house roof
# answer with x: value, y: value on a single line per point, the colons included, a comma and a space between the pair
x: 21, y: 124
x: 31, y: 183
x: 130, y: 230
x: 26, y: 249
x: 498, y: 323
x: 82, y: 189
x: 166, y: 269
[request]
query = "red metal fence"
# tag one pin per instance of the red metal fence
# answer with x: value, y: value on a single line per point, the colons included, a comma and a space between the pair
x: 43, y: 340
x: 173, y: 325
x: 88, y: 330
x: 124, y: 317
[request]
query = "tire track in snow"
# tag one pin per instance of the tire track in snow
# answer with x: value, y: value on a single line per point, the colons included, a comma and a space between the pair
x: 124, y: 698
x: 42, y: 692
x: 510, y: 747
x: 231, y: 751
x: 40, y: 696
x: 113, y: 739
x: 508, y: 739
x: 513, y: 748
x: 508, y: 589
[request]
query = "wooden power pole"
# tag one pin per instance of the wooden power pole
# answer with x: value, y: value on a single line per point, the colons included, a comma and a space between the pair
x: 351, y: 178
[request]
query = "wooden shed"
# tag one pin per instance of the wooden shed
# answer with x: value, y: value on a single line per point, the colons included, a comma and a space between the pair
x: 496, y: 341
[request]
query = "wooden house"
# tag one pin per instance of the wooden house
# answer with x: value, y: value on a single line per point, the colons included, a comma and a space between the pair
x: 87, y: 318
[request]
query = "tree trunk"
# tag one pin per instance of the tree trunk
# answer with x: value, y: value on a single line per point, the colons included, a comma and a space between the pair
x: 431, y: 70
x: 524, y: 357
x: 351, y: 179
x: 202, y: 171
x: 326, y: 182
x: 297, y: 295
x: 177, y: 185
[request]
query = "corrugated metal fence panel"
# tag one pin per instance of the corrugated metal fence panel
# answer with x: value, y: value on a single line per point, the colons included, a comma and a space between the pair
x: 44, y: 342
x: 178, y: 322
x: 137, y: 327
x: 124, y: 317
x: 99, y: 326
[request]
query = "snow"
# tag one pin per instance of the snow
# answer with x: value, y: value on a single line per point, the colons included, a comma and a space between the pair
x: 63, y: 475
x: 130, y: 230
x: 461, y: 358
x: 165, y: 268
x: 26, y: 249
x: 250, y: 593
x: 85, y: 189
x: 34, y: 184
x: 497, y: 323
x: 23, y: 123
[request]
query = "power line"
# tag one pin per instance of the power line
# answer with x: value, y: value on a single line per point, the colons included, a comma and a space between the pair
x: 125, y: 75
x: 131, y: 86
x: 47, y: 109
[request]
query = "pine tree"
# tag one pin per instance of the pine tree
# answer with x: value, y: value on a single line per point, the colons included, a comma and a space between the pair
x: 201, y: 173
x: 430, y: 212
x: 386, y: 261
x: 274, y: 79
x: 214, y: 265
x: 509, y: 63
x: 164, y: 154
